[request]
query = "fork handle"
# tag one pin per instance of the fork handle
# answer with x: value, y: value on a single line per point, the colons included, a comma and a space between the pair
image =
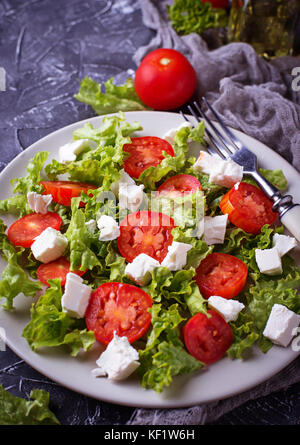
x: 289, y: 212
x: 291, y: 220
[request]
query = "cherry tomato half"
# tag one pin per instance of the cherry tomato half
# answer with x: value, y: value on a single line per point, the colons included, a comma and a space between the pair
x: 63, y: 191
x: 56, y: 269
x: 145, y: 232
x: 179, y: 185
x: 207, y: 338
x: 23, y: 231
x: 165, y: 79
x: 221, y: 274
x: 118, y: 307
x: 248, y: 207
x: 146, y: 151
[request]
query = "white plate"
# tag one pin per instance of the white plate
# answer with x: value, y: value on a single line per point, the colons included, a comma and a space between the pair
x: 221, y: 380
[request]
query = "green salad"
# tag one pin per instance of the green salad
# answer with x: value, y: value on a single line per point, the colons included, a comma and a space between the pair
x: 95, y: 238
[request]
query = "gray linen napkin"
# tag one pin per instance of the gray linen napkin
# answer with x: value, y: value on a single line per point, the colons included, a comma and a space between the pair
x: 254, y: 96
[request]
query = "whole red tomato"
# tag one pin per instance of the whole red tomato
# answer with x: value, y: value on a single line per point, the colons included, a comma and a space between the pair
x: 217, y: 3
x: 165, y: 79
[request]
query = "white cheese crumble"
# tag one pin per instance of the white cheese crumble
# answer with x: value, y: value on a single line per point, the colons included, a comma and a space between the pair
x: 177, y: 256
x: 215, y: 229
x: 283, y: 243
x: 205, y: 162
x: 222, y: 172
x: 109, y: 228
x: 226, y: 173
x: 229, y: 309
x: 169, y: 136
x: 76, y: 296
x: 140, y: 269
x: 91, y: 225
x: 68, y: 152
x: 124, y: 179
x: 268, y: 261
x: 280, y: 325
x: 49, y: 245
x: 118, y: 361
x: 131, y: 196
x: 39, y: 203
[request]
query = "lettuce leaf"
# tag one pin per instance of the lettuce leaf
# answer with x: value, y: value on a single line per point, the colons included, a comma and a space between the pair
x: 275, y: 177
x: 18, y: 411
x: 267, y: 291
x: 244, y: 336
x: 18, y: 205
x: 100, y: 166
x: 108, y: 132
x: 188, y: 16
x: 80, y: 239
x: 114, y: 99
x: 50, y: 326
x: 164, y: 355
x: 243, y: 245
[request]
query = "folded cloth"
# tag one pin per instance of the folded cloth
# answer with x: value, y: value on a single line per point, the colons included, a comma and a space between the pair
x: 256, y: 97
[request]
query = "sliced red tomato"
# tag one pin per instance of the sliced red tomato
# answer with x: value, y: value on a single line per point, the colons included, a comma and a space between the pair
x: 118, y: 307
x: 179, y: 185
x: 248, y: 207
x: 55, y: 270
x: 144, y: 152
x: 145, y: 232
x: 207, y: 338
x: 221, y: 274
x: 63, y: 191
x: 23, y: 231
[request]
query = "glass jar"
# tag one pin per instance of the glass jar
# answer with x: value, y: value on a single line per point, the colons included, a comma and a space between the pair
x: 268, y: 25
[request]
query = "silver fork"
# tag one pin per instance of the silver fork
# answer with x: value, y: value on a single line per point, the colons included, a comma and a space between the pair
x: 231, y: 147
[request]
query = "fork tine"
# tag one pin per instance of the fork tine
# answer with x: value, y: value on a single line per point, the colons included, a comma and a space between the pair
x: 227, y: 145
x: 217, y: 146
x: 229, y: 133
x: 210, y: 150
x: 184, y: 116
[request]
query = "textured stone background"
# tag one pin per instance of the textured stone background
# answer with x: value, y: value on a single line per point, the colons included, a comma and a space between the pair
x: 45, y: 47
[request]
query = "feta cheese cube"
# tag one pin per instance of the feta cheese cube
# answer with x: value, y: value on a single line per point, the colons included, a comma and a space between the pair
x: 118, y: 361
x: 170, y: 135
x: 226, y: 173
x: 39, y: 203
x: 215, y: 229
x: 68, y: 152
x: 124, y: 179
x: 204, y: 163
x: 268, y: 261
x: 130, y: 196
x: 229, y: 309
x: 222, y: 172
x: 140, y: 269
x: 91, y: 225
x: 283, y: 243
x: 177, y: 256
x: 76, y: 296
x: 49, y: 245
x: 109, y: 228
x: 281, y: 324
